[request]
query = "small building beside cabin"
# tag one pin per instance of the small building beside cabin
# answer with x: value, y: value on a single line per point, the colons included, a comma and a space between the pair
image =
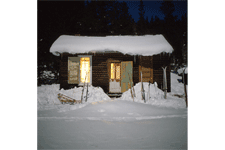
x: 112, y: 62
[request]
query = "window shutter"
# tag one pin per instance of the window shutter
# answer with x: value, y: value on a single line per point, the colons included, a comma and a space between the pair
x: 126, y: 75
x: 73, y: 70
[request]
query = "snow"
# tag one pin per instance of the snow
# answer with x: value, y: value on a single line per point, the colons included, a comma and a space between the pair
x: 147, y: 45
x: 47, y: 75
x: 113, y: 125
x: 186, y: 70
x: 48, y: 97
x: 180, y: 71
x: 156, y: 96
x: 117, y: 123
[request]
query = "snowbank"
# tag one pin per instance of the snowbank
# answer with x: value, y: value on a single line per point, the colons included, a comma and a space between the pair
x: 47, y: 75
x: 48, y: 97
x: 135, y: 45
x: 94, y: 93
x: 156, y: 96
x: 180, y: 71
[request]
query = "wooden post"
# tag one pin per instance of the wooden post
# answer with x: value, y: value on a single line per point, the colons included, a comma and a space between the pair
x: 149, y: 91
x: 164, y: 82
x: 142, y: 88
x: 131, y: 89
x: 83, y: 88
x: 185, y: 90
x: 86, y: 93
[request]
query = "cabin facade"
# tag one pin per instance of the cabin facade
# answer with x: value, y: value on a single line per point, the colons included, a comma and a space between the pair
x: 112, y: 70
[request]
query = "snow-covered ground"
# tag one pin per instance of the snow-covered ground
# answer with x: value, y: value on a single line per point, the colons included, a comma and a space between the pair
x: 113, y: 124
x: 118, y: 123
x: 48, y: 96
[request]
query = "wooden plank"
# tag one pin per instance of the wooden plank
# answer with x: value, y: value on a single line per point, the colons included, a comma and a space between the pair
x: 126, y: 67
x: 73, y: 70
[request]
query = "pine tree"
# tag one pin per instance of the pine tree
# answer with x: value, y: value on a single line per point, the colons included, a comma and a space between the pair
x: 171, y: 28
x: 125, y: 20
x: 141, y: 24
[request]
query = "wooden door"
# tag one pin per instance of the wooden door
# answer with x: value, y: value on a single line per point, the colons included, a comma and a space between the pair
x: 115, y: 78
x: 126, y: 75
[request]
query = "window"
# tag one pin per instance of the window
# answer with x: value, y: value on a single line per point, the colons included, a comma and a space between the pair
x: 115, y: 71
x: 84, y: 69
x: 80, y: 70
x: 118, y: 72
x: 112, y: 70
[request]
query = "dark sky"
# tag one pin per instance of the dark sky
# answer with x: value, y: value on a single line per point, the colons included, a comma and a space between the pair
x: 152, y: 9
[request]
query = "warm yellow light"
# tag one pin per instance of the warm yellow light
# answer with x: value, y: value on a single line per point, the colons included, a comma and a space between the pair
x: 112, y: 71
x: 85, y: 69
x: 117, y: 72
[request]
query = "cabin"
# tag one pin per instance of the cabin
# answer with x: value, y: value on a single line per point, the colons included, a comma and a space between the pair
x: 112, y: 62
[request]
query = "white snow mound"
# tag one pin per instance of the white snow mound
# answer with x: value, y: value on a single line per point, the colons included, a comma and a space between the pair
x: 48, y: 97
x: 156, y: 96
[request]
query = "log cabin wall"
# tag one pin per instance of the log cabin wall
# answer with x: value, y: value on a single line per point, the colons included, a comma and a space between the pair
x: 146, y: 67
x: 159, y: 61
x: 100, y: 75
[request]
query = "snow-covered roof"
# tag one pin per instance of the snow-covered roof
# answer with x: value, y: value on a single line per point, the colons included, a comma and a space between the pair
x: 146, y: 45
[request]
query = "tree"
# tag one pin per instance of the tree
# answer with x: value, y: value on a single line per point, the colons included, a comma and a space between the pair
x: 141, y: 24
x: 90, y: 21
x: 171, y: 29
x: 167, y: 8
x: 125, y: 20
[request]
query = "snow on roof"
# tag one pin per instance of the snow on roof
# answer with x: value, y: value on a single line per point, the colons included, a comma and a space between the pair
x: 135, y: 45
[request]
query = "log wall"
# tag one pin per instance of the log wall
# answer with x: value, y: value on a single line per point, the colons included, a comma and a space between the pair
x: 159, y: 61
x: 100, y: 66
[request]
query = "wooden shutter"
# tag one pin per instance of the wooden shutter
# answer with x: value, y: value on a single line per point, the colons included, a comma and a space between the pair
x: 146, y: 67
x: 126, y: 74
x: 73, y: 70
x: 147, y: 74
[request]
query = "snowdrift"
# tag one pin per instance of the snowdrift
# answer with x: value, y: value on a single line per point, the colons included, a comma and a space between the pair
x: 180, y: 71
x: 156, y: 96
x: 48, y: 97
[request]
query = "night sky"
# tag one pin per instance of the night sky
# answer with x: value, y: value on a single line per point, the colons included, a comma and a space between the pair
x: 52, y: 16
x: 152, y: 9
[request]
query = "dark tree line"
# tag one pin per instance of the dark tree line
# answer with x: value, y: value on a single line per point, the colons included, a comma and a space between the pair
x: 173, y: 29
x: 100, y: 18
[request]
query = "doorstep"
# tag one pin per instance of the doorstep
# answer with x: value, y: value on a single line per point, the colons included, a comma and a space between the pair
x: 114, y: 94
